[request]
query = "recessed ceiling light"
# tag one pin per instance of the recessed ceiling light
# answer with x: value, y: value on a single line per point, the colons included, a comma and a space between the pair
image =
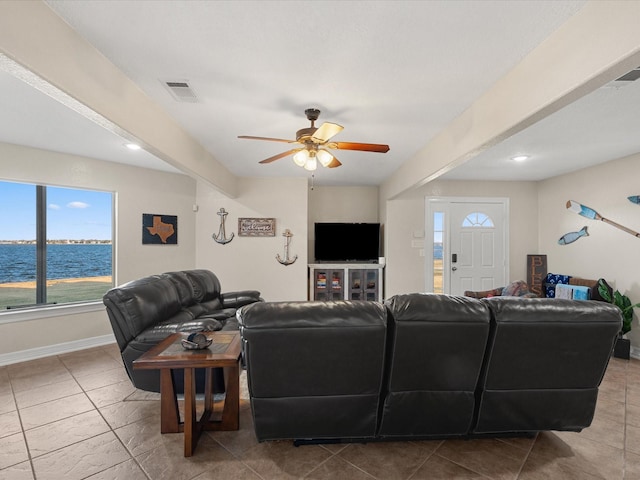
x: 132, y: 146
x: 519, y: 158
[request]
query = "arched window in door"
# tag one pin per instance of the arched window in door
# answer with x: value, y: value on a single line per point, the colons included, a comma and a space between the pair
x: 477, y: 220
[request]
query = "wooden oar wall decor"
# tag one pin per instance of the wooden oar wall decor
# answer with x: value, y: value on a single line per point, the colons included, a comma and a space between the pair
x: 593, y: 215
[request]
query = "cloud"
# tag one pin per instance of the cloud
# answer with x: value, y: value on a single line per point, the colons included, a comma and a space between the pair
x: 77, y: 205
x: 54, y: 206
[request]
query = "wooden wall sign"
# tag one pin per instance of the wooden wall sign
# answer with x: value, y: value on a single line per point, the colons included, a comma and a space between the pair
x: 536, y: 273
x: 159, y: 229
x: 256, y: 227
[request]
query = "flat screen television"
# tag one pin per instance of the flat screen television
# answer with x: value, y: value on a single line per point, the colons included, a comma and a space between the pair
x: 347, y: 242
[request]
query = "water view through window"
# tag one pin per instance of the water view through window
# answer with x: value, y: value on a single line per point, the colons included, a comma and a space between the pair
x: 55, y: 245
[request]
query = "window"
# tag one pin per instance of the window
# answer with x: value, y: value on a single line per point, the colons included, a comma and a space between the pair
x: 438, y: 230
x: 55, y: 245
x: 477, y: 220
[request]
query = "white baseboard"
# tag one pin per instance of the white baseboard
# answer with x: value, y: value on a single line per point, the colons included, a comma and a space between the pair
x: 57, y: 349
x: 635, y: 352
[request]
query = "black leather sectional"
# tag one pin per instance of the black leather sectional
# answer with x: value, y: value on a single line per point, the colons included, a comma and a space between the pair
x: 145, y: 311
x: 424, y: 366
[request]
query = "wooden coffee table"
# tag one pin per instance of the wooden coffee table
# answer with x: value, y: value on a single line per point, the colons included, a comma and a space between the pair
x: 169, y: 355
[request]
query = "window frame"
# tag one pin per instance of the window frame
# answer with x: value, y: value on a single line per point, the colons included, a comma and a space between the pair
x: 44, y: 310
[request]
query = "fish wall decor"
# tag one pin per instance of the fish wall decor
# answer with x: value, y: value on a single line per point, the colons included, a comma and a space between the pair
x: 593, y: 215
x: 571, y: 237
x: 634, y: 199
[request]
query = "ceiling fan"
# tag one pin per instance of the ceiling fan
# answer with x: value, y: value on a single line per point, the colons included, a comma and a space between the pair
x: 315, y: 142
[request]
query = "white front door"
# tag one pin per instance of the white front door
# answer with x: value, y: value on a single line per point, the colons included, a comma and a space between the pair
x: 474, y: 243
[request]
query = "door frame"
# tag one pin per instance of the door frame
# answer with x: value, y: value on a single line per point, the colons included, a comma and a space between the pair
x: 437, y: 204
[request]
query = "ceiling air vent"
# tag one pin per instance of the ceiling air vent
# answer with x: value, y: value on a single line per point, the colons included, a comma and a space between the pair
x: 625, y: 79
x: 632, y: 76
x: 180, y: 91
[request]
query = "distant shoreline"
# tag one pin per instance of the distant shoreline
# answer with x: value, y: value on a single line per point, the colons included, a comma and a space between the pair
x: 57, y: 242
x: 32, y: 284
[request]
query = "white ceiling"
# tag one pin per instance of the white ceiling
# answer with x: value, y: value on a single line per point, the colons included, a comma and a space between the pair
x: 392, y: 72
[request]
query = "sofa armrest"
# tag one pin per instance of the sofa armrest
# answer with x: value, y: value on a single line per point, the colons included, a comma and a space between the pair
x: 159, y: 332
x: 240, y: 298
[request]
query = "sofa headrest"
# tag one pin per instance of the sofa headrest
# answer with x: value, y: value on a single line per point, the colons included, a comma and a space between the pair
x: 428, y: 307
x: 206, y: 285
x: 274, y: 315
x: 183, y: 286
x: 139, y: 304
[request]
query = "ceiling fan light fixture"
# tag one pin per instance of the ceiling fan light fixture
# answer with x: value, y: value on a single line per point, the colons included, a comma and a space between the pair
x: 324, y: 157
x: 301, y: 158
x: 311, y: 164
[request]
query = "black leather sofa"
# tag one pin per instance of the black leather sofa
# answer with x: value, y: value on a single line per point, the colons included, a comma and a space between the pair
x: 145, y: 311
x: 424, y: 366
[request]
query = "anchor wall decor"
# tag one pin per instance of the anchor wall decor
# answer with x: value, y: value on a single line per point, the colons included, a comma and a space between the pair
x: 222, y: 236
x: 286, y: 261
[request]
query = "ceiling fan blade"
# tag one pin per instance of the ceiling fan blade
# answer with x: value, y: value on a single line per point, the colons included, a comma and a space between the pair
x: 326, y: 131
x: 280, y: 155
x: 267, y: 138
x: 334, y: 163
x: 364, y: 147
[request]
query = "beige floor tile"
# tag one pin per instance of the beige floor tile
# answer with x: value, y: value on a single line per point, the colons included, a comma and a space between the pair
x: 438, y: 468
x: 55, y: 410
x: 7, y: 403
x: 633, y: 415
x: 62, y: 433
x: 228, y: 470
x: 575, y: 451
x: 111, y: 394
x: 5, y: 382
x: 523, y: 443
x: 123, y: 413
x: 42, y: 366
x: 39, y: 379
x: 144, y: 435
x: 113, y: 350
x: 82, y: 459
x: 633, y: 395
x: 22, y: 471
x: 167, y: 462
x: 631, y: 466
x: 632, y: 439
x: 609, y: 409
x: 282, y: 461
x: 539, y: 467
x: 238, y: 441
x: 128, y: 470
x: 605, y: 431
x: 13, y: 450
x: 9, y: 424
x: 47, y: 393
x: 89, y: 362
x: 336, y: 468
x: 489, y: 457
x: 389, y: 460
x: 103, y: 379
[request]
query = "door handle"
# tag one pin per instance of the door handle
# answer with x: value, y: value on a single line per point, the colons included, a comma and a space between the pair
x: 454, y: 268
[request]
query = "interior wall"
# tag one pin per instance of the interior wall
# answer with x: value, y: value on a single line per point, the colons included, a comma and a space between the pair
x: 138, y: 191
x: 249, y: 263
x: 405, y: 229
x: 341, y: 204
x: 607, y: 252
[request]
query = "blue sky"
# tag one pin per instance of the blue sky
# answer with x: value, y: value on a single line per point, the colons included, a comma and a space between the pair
x: 71, y: 214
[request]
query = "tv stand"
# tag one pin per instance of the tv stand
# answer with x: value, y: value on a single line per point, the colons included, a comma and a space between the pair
x: 345, y: 281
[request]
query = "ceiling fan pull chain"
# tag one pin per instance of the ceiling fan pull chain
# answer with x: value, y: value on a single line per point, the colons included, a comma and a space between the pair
x: 313, y: 175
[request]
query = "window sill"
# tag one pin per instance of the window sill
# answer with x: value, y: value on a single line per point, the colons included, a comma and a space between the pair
x: 11, y: 316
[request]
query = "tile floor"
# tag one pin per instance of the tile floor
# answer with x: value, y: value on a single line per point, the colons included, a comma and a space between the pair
x: 76, y: 416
